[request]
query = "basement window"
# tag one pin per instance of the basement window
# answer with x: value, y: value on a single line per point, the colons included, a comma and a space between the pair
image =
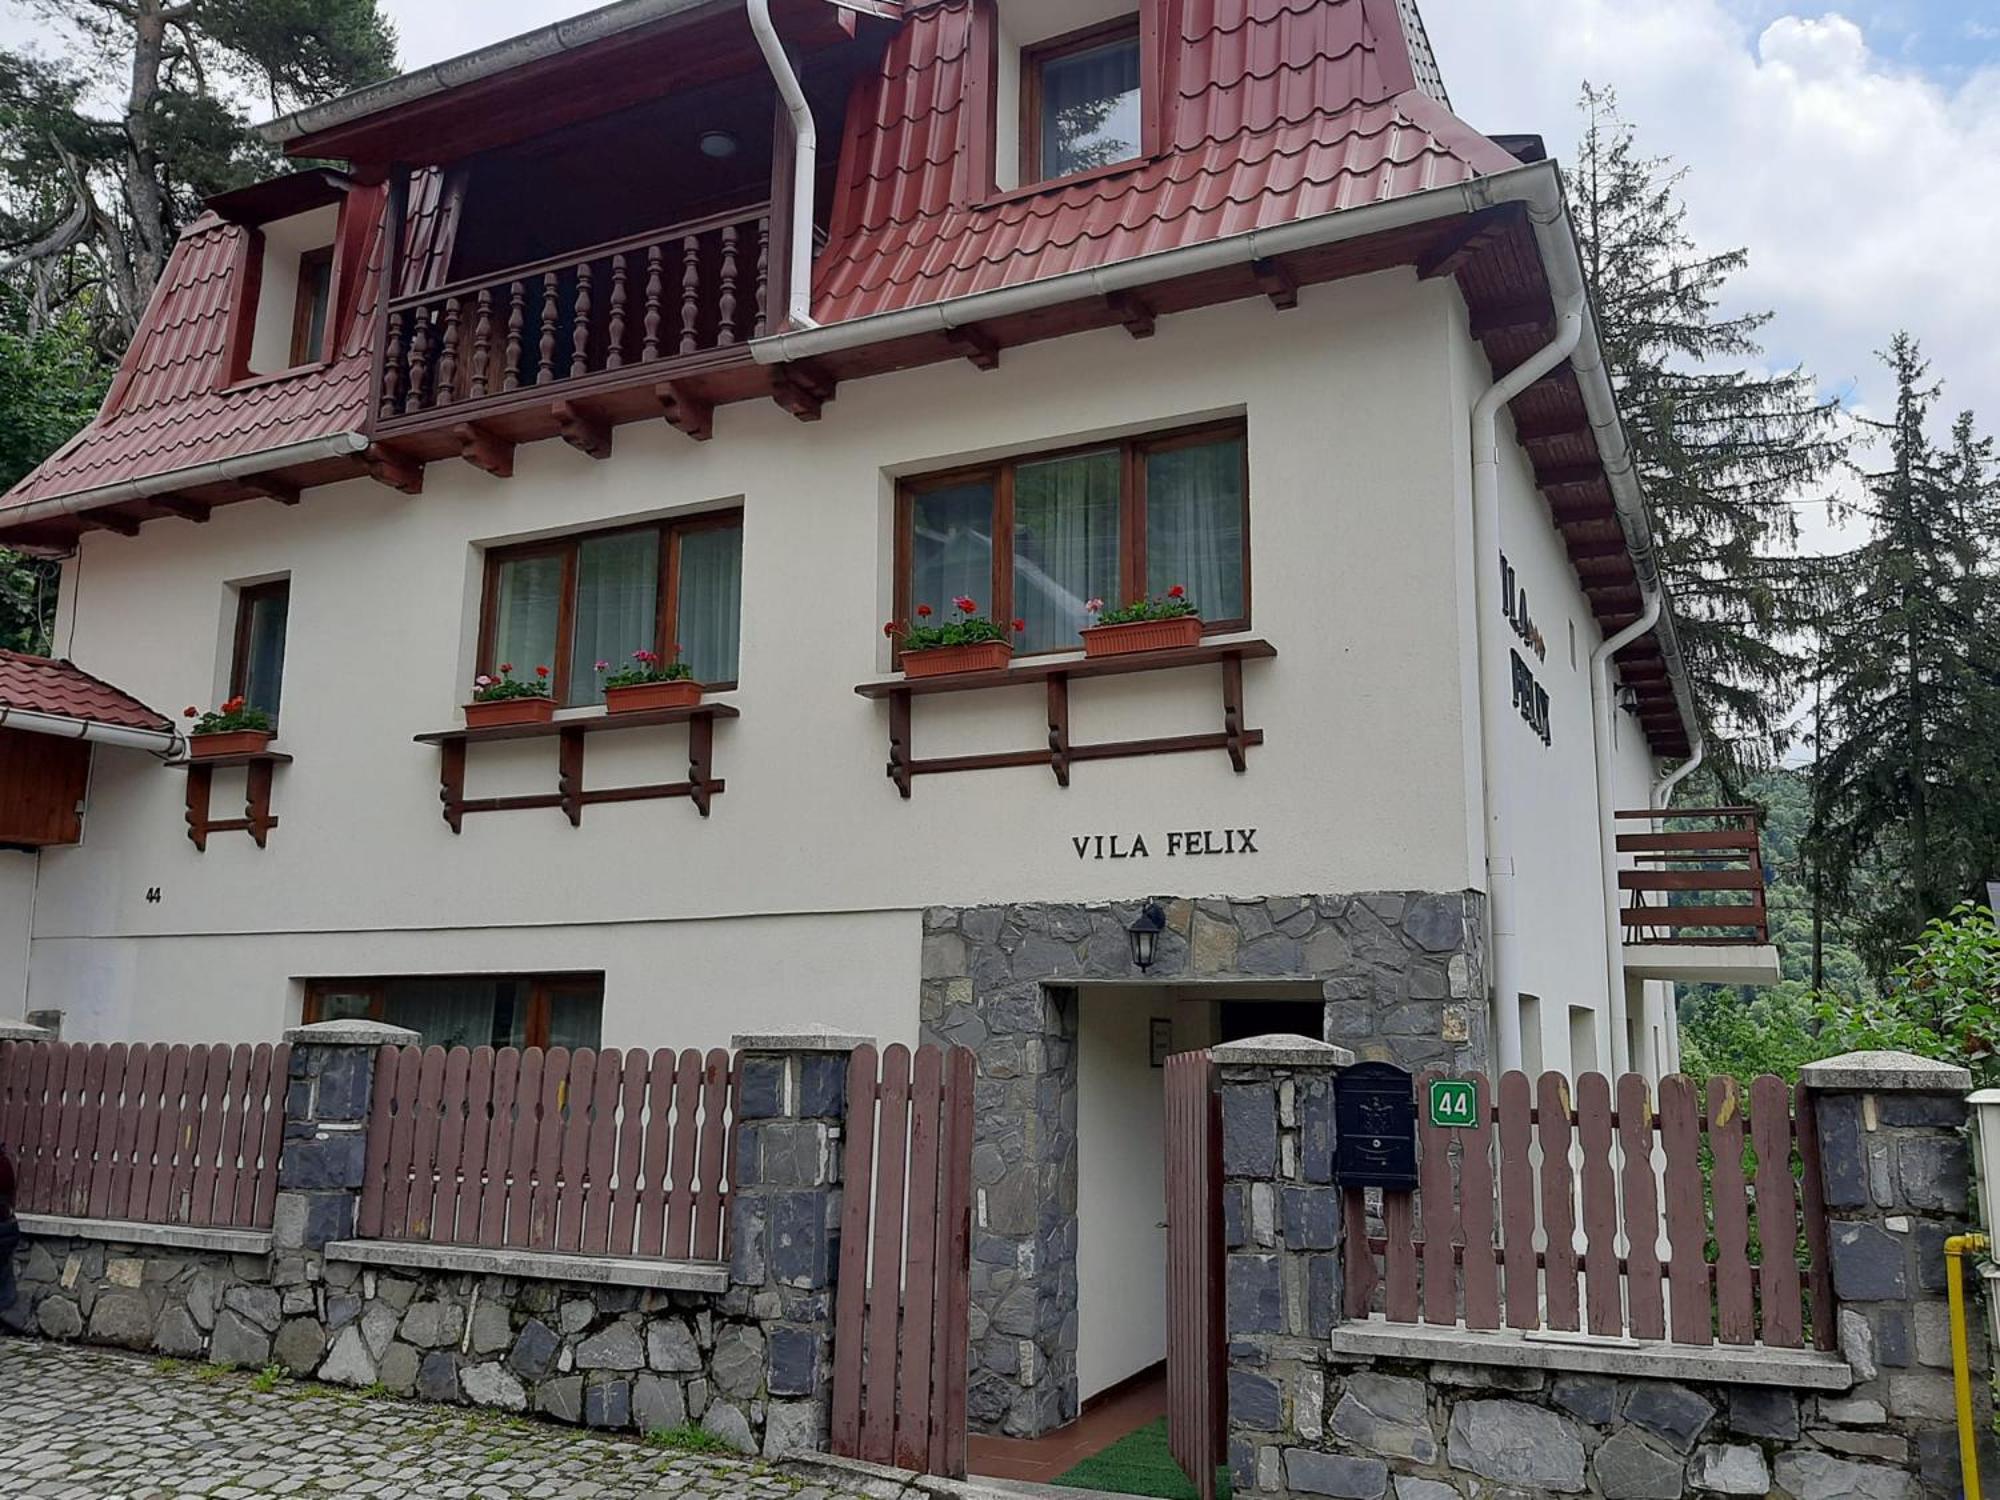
x: 478, y: 1010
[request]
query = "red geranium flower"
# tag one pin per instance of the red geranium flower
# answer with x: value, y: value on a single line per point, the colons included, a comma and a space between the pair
x: 892, y: 630
x: 190, y: 712
x: 506, y: 667
x: 1020, y: 627
x: 923, y: 611
x: 1177, y: 592
x: 541, y: 671
x: 965, y: 604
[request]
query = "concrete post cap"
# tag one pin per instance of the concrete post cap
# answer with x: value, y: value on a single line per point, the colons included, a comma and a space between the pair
x: 1283, y: 1052
x: 357, y: 1033
x: 21, y: 1031
x: 804, y: 1039
x: 1886, y: 1073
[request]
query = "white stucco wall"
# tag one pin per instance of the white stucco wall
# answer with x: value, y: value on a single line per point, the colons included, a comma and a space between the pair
x: 1356, y: 472
x: 1547, y: 793
x: 17, y: 904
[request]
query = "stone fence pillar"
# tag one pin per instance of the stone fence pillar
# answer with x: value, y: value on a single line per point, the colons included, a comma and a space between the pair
x: 785, y: 1204
x: 1281, y: 1218
x: 1895, y: 1161
x: 21, y: 1031
x: 321, y: 1170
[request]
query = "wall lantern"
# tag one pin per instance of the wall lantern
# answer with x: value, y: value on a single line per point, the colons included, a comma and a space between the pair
x: 1145, y: 934
x: 718, y: 145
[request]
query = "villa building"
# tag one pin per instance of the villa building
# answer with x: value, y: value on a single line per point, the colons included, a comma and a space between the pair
x: 734, y: 331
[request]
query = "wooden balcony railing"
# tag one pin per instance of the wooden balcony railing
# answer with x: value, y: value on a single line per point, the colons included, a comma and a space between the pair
x: 640, y: 305
x: 1700, y: 877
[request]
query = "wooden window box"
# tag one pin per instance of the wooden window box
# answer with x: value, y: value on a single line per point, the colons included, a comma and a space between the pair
x: 701, y: 786
x: 257, y: 820
x: 1057, y: 673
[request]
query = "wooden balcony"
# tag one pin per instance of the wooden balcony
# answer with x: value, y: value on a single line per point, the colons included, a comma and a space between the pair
x: 1700, y: 877
x: 643, y: 328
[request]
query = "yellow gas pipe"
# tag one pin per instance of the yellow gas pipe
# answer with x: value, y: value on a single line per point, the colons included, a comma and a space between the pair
x: 1955, y: 1250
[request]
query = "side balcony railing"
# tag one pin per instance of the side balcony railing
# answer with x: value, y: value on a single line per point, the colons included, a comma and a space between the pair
x: 1699, y: 876
x: 671, y: 297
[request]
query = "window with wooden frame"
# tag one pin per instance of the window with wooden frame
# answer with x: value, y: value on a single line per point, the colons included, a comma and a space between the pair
x: 1037, y: 538
x: 257, y: 662
x: 572, y: 602
x: 1081, y: 101
x: 309, y: 309
x: 474, y: 1010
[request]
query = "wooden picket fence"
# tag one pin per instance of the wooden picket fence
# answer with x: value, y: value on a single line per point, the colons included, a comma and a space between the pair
x: 902, y: 1304
x: 150, y: 1133
x: 584, y: 1152
x: 1542, y: 1197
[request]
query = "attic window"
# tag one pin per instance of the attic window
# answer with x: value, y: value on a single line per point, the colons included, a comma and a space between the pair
x: 1080, y: 107
x: 315, y: 292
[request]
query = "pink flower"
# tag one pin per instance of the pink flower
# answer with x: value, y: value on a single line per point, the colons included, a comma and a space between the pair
x: 1094, y: 606
x: 604, y: 666
x: 484, y: 681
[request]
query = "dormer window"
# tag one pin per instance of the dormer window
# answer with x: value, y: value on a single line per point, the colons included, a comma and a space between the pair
x: 287, y: 282
x: 1081, y: 105
x: 309, y: 306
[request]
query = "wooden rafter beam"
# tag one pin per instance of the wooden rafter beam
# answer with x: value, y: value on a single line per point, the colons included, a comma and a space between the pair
x: 1584, y: 549
x: 1277, y: 282
x: 976, y: 344
x: 685, y: 411
x: 583, y: 430
x: 273, y: 490
x: 397, y: 470
x: 1546, y: 429
x: 1453, y: 250
x: 1510, y: 317
x: 104, y: 520
x: 1570, y: 476
x: 1138, y: 316
x: 485, y: 449
x: 802, y: 388
x: 188, y: 510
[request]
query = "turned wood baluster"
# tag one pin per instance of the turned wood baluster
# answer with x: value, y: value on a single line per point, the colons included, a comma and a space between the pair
x: 392, y: 368
x: 656, y: 287
x: 517, y: 320
x: 447, y: 371
x: 614, y: 354
x: 579, y: 365
x: 763, y: 318
x: 725, y: 333
x: 420, y: 363
x: 690, y: 293
x: 546, y: 370
x: 482, y: 345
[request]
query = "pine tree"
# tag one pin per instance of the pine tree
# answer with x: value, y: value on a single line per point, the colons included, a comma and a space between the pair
x: 1902, y: 807
x: 1723, y: 449
x: 94, y: 205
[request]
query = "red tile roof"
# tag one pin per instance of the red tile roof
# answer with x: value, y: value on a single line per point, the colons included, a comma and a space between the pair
x: 1283, y: 110
x: 172, y: 405
x: 35, y: 684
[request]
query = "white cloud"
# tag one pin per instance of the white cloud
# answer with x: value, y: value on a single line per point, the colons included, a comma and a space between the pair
x: 1867, y: 192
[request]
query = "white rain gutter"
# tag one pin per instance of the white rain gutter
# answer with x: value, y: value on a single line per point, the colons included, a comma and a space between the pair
x: 219, y: 471
x: 161, y: 742
x: 1663, y: 794
x: 805, y: 160
x: 1603, y: 705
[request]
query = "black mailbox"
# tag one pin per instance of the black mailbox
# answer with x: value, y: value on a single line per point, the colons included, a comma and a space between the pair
x: 1375, y: 1113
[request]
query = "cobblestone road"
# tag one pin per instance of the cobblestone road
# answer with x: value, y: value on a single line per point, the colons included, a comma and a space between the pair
x: 82, y: 1424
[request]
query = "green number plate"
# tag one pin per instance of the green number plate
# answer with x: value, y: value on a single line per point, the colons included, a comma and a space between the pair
x: 1454, y: 1104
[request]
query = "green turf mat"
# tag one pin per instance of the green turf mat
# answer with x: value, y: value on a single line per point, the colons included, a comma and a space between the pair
x: 1139, y: 1464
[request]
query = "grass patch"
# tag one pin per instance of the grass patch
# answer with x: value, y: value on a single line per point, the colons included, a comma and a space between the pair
x: 167, y: 1367
x: 268, y: 1379
x: 213, y: 1373
x: 1139, y: 1464
x: 688, y: 1438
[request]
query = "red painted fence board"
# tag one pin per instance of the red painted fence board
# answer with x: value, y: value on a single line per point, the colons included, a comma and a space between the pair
x: 1607, y: 1161
x: 551, y: 1151
x: 147, y: 1132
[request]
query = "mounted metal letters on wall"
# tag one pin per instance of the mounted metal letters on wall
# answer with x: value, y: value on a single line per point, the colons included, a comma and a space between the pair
x: 1375, y: 1117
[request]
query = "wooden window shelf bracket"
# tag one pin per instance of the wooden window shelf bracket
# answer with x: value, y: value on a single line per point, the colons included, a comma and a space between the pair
x: 257, y: 819
x: 572, y: 735
x: 1056, y: 674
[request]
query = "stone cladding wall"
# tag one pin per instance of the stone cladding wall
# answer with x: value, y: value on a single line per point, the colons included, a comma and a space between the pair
x: 1403, y: 976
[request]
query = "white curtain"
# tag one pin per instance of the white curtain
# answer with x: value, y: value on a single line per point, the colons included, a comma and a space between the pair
x: 530, y: 605
x: 711, y: 602
x: 617, y: 607
x: 952, y: 551
x: 1065, y: 545
x: 454, y: 1012
x: 1194, y: 525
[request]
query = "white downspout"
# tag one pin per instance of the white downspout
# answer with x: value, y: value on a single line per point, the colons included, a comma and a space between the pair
x: 1486, y: 565
x: 1663, y: 794
x: 804, y: 165
x: 1602, y: 706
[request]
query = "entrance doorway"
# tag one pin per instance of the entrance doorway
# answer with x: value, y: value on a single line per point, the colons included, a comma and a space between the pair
x: 1124, y: 1033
